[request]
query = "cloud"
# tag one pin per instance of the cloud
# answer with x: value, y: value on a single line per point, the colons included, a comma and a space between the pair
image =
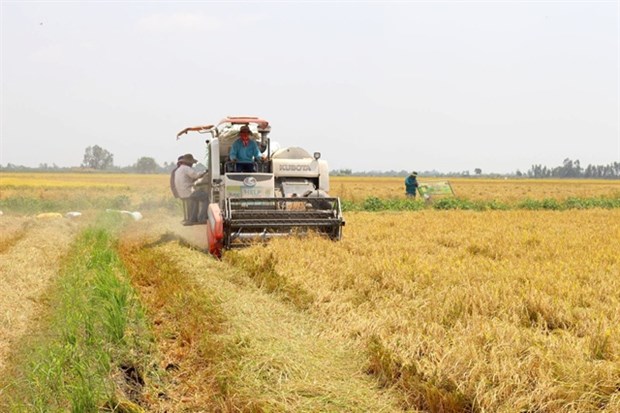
x: 194, y: 22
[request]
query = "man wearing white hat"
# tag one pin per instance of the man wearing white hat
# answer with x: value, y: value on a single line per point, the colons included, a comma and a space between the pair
x: 182, y: 183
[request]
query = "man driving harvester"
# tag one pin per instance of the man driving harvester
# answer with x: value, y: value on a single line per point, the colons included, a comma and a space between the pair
x: 245, y: 151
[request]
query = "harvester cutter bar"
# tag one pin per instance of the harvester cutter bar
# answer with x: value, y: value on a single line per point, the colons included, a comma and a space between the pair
x: 262, y: 218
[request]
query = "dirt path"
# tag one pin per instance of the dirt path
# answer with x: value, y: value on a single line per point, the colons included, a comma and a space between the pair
x: 29, y: 260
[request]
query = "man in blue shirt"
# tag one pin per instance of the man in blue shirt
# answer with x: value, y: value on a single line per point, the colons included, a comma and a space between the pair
x: 411, y: 184
x: 245, y: 151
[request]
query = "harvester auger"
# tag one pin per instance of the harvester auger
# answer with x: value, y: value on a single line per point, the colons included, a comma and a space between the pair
x: 284, y: 195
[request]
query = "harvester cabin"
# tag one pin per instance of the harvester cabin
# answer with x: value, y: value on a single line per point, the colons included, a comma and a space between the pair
x: 227, y: 131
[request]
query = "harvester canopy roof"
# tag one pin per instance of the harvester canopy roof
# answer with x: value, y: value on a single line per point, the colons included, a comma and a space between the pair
x: 261, y: 124
x: 227, y: 130
x: 229, y: 127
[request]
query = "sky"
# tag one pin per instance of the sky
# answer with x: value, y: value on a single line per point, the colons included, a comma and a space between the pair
x: 420, y: 85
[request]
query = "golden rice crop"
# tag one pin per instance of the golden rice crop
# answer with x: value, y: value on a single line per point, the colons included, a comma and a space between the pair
x: 30, y: 252
x: 454, y: 310
x: 509, y: 190
x: 79, y: 180
x: 139, y: 187
x: 488, y: 311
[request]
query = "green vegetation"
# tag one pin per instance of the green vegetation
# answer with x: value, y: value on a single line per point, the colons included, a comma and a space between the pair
x: 89, y: 354
x: 374, y: 204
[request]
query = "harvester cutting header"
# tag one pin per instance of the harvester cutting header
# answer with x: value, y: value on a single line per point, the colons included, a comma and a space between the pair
x: 256, y: 194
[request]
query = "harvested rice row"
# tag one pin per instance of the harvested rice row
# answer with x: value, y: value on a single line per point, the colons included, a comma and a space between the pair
x: 27, y: 266
x: 265, y: 355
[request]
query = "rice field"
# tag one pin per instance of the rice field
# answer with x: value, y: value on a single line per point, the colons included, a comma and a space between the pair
x: 138, y: 187
x: 426, y: 310
x: 466, y: 311
x: 507, y: 190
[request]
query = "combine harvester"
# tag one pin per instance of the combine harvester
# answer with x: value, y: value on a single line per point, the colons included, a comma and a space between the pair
x: 285, y: 195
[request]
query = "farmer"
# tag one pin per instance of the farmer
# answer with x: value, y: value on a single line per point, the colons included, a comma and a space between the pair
x: 411, y: 184
x: 244, y: 151
x: 182, y: 185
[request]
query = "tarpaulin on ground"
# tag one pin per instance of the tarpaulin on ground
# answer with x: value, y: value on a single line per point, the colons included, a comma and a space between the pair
x: 442, y: 188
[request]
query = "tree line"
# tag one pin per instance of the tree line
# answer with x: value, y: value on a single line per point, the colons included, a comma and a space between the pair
x: 568, y: 169
x: 100, y: 159
x: 573, y: 169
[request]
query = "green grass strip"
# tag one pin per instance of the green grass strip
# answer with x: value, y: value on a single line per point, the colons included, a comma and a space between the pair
x: 374, y: 204
x: 95, y: 330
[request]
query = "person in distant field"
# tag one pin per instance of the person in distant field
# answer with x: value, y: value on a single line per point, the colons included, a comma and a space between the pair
x: 182, y: 185
x: 245, y: 151
x: 411, y: 184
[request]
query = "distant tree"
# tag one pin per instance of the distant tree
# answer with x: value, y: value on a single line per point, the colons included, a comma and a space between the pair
x: 168, y: 166
x: 96, y: 157
x: 573, y: 169
x: 146, y: 165
x: 341, y: 172
x: 478, y: 171
x: 569, y: 169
